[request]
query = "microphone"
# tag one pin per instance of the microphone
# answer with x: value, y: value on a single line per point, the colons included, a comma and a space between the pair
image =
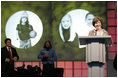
x: 95, y: 32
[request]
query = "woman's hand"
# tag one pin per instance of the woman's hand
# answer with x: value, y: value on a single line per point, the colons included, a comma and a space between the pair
x: 49, y: 59
x: 46, y: 55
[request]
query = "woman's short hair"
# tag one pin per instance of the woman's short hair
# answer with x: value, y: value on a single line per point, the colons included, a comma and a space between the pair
x: 45, y: 44
x: 96, y: 19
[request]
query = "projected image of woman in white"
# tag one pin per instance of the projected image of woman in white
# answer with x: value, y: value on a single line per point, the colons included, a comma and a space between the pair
x: 75, y: 23
x: 25, y: 31
x: 65, y: 27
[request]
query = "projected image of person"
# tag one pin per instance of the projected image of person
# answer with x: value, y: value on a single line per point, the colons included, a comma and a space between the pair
x: 67, y: 32
x: 66, y: 23
x: 88, y: 19
x: 48, y: 56
x: 25, y: 31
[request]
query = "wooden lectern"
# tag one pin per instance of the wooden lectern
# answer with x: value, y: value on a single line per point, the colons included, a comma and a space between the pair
x: 95, y: 53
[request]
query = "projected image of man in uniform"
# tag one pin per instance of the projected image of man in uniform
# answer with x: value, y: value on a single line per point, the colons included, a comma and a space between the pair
x: 25, y: 31
x: 66, y: 23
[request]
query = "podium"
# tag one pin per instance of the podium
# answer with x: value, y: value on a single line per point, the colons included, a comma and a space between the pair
x: 95, y: 53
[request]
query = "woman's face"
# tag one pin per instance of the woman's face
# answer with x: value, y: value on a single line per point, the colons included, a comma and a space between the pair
x: 66, y: 22
x: 47, y: 44
x: 98, y: 25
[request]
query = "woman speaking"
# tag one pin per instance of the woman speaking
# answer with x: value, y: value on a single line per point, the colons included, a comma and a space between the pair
x: 98, y: 31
